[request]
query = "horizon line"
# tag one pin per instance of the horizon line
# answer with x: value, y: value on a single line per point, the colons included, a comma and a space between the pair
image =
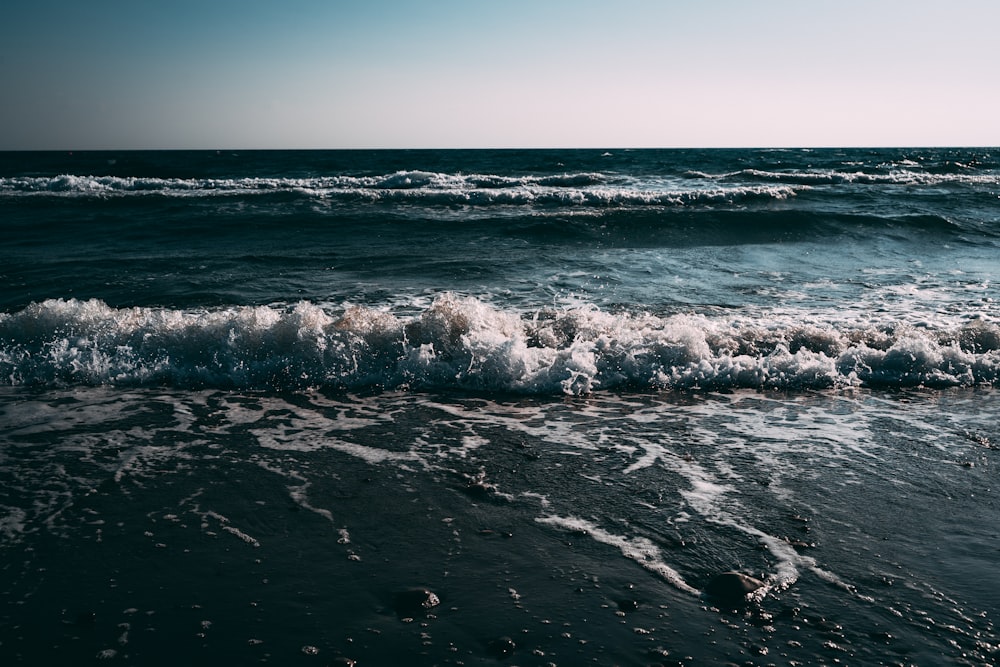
x: 515, y: 148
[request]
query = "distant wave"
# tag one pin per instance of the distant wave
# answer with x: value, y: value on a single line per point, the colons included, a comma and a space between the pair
x: 417, y: 187
x: 460, y: 343
x: 832, y: 176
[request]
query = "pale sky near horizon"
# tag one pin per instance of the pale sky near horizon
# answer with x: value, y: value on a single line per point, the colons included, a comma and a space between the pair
x: 117, y: 74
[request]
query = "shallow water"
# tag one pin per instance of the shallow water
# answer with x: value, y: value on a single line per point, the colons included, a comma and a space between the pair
x: 246, y: 527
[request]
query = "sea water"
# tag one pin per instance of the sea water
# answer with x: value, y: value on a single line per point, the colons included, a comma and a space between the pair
x: 254, y: 404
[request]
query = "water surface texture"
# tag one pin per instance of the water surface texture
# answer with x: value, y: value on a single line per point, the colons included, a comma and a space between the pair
x: 482, y: 407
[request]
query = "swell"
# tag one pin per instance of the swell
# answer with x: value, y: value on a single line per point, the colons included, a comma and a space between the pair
x: 727, y: 227
x: 465, y: 344
x: 894, y: 176
x: 747, y: 206
x: 566, y: 214
x: 584, y: 189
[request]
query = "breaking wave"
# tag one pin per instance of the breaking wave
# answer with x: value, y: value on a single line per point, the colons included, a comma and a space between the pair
x: 462, y: 343
x: 418, y: 187
x: 833, y: 177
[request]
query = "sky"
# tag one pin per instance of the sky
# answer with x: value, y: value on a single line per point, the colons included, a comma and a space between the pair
x: 183, y: 74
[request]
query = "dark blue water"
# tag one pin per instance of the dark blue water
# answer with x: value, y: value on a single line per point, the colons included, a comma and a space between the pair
x: 653, y: 264
x: 247, y: 399
x: 635, y: 228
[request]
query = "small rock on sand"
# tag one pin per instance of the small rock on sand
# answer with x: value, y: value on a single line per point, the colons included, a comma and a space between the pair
x: 732, y: 588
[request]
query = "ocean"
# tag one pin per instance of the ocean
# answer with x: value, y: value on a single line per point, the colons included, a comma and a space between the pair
x: 525, y: 407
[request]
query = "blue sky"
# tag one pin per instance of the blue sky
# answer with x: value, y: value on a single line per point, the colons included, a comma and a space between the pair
x: 122, y: 74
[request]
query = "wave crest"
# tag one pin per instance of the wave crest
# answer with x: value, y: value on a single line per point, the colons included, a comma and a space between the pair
x: 461, y: 343
x: 416, y: 187
x: 834, y: 177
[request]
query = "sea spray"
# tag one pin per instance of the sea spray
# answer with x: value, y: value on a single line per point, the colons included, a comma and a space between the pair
x: 465, y: 343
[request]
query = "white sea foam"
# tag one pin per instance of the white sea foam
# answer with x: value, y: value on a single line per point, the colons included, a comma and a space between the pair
x: 465, y: 343
x: 417, y: 187
x: 639, y: 549
x: 833, y: 176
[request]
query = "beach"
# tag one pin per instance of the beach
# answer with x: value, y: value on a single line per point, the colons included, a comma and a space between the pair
x: 482, y: 407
